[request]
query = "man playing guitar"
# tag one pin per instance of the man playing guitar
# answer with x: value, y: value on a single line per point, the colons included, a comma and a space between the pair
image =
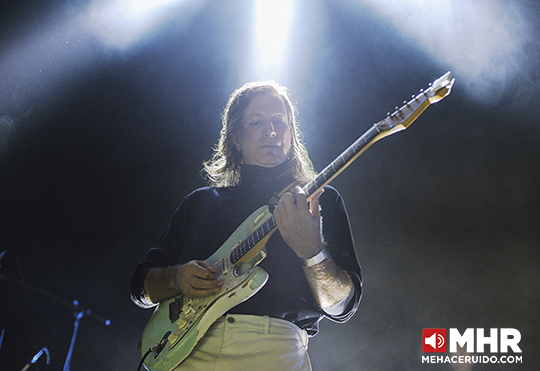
x: 312, y: 266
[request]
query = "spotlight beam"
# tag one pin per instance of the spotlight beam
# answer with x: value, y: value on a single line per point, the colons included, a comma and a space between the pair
x: 273, y: 20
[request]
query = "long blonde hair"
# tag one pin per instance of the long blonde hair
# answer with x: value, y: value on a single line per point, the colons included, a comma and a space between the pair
x: 223, y: 169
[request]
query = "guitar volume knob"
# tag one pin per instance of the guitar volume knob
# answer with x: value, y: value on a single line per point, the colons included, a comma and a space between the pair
x: 182, y: 322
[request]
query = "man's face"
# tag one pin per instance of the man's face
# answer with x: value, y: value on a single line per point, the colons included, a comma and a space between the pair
x: 265, y: 133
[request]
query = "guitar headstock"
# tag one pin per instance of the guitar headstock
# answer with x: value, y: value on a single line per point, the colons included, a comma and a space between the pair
x: 440, y: 88
x: 409, y: 112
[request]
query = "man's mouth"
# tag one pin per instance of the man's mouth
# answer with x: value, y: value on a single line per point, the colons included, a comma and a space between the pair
x: 273, y: 145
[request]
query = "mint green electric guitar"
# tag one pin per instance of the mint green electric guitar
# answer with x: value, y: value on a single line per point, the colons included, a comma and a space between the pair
x: 179, y: 323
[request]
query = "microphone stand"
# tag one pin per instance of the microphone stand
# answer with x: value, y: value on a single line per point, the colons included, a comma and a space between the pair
x: 36, y: 357
x: 78, y: 314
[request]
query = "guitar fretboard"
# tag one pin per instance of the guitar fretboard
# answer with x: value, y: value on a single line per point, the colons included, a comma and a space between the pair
x: 253, y: 239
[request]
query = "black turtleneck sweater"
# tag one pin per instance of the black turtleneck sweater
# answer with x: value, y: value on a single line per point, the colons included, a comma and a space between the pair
x: 208, y: 216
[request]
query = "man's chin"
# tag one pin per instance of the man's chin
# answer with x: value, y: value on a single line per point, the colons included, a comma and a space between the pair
x: 272, y: 161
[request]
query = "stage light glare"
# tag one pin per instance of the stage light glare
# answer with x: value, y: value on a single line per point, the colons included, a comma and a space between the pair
x: 273, y: 19
x: 481, y: 41
x: 122, y: 23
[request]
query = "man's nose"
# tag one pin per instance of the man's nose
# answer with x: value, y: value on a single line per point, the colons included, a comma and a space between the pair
x: 269, y: 129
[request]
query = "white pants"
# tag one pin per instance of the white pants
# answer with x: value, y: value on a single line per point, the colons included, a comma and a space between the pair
x: 245, y: 342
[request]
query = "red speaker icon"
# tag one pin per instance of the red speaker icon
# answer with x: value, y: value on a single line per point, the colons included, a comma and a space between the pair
x: 434, y: 340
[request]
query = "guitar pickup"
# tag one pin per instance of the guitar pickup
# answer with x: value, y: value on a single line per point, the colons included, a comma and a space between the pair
x: 175, y: 308
x: 223, y: 265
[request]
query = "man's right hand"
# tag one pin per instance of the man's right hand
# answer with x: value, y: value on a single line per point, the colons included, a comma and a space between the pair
x: 196, y: 279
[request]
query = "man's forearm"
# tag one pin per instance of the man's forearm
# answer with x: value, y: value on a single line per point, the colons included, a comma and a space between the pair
x: 329, y: 283
x: 160, y: 284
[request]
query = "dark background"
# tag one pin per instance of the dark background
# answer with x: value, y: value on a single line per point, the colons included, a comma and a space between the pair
x: 98, y: 146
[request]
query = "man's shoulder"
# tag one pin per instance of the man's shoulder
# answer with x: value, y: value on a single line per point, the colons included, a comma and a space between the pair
x: 206, y: 193
x: 199, y: 199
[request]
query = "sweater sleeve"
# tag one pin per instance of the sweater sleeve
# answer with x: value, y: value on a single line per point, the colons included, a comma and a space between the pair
x: 166, y: 252
x: 339, y: 242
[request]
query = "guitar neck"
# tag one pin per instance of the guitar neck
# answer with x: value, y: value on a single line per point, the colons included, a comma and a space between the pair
x: 341, y: 162
x: 397, y: 121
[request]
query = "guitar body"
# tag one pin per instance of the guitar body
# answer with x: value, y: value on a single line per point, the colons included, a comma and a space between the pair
x: 183, y: 321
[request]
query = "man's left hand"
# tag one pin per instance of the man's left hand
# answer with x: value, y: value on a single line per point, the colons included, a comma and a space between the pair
x: 299, y: 222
